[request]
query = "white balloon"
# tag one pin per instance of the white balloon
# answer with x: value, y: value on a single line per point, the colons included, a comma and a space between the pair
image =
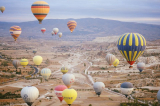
x: 98, y: 87
x: 110, y: 58
x: 29, y: 94
x: 140, y: 66
x: 60, y: 34
x: 55, y: 30
x: 68, y: 79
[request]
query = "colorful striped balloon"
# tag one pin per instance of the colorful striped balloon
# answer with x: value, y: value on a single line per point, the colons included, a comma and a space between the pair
x: 131, y: 46
x: 40, y: 9
x: 45, y: 72
x: 71, y: 25
x: 15, y: 31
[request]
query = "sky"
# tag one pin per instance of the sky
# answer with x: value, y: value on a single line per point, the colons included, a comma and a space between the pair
x: 140, y: 11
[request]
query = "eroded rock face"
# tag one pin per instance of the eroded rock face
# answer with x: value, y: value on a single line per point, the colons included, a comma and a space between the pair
x: 148, y: 60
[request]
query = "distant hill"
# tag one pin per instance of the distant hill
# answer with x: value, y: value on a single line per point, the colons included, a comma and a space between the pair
x: 87, y: 29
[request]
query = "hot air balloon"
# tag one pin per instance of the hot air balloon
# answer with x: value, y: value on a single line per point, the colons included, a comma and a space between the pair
x: 68, y: 79
x: 16, y: 63
x: 45, y: 72
x: 98, y: 87
x: 110, y: 58
x: 43, y: 30
x: 37, y: 60
x: 29, y: 94
x: 140, y: 66
x: 158, y: 96
x: 69, y: 95
x: 58, y: 91
x: 116, y: 62
x: 60, y: 34
x: 15, y: 31
x: 131, y: 46
x: 126, y: 88
x: 40, y: 9
x: 34, y: 51
x: 52, y: 33
x: 2, y: 8
x: 24, y: 62
x: 55, y: 30
x: 64, y: 70
x: 71, y: 25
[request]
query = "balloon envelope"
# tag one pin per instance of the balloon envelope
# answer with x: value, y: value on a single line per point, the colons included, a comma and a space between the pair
x: 72, y: 25
x: 55, y: 30
x: 40, y: 9
x: 69, y: 95
x: 29, y: 94
x: 58, y: 91
x: 15, y: 31
x: 98, y: 87
x: 68, y: 79
x: 24, y: 62
x: 45, y: 72
x: 37, y: 60
x: 16, y: 63
x: 52, y: 33
x: 2, y: 8
x: 64, y: 70
x: 110, y: 58
x: 131, y: 46
x: 34, y: 51
x: 43, y: 30
x: 126, y: 88
x: 158, y: 96
x: 140, y: 66
x: 60, y: 34
x: 116, y: 62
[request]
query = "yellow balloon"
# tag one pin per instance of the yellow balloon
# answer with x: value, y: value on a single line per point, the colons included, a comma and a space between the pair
x: 37, y: 60
x: 64, y: 70
x: 24, y: 62
x: 69, y: 95
x: 2, y: 9
x: 116, y: 62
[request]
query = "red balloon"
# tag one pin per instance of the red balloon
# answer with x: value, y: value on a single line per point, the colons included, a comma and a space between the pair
x: 43, y: 30
x: 58, y: 91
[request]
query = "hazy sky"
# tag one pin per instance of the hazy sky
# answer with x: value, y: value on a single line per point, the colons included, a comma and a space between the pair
x: 142, y: 11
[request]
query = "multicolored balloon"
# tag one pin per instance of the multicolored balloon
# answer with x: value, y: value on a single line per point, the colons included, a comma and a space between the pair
x: 64, y: 70
x: 126, y: 88
x: 131, y: 46
x: 71, y: 25
x: 40, y: 9
x: 46, y: 72
x: 43, y: 30
x: 2, y: 8
x: 58, y: 91
x: 15, y: 31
